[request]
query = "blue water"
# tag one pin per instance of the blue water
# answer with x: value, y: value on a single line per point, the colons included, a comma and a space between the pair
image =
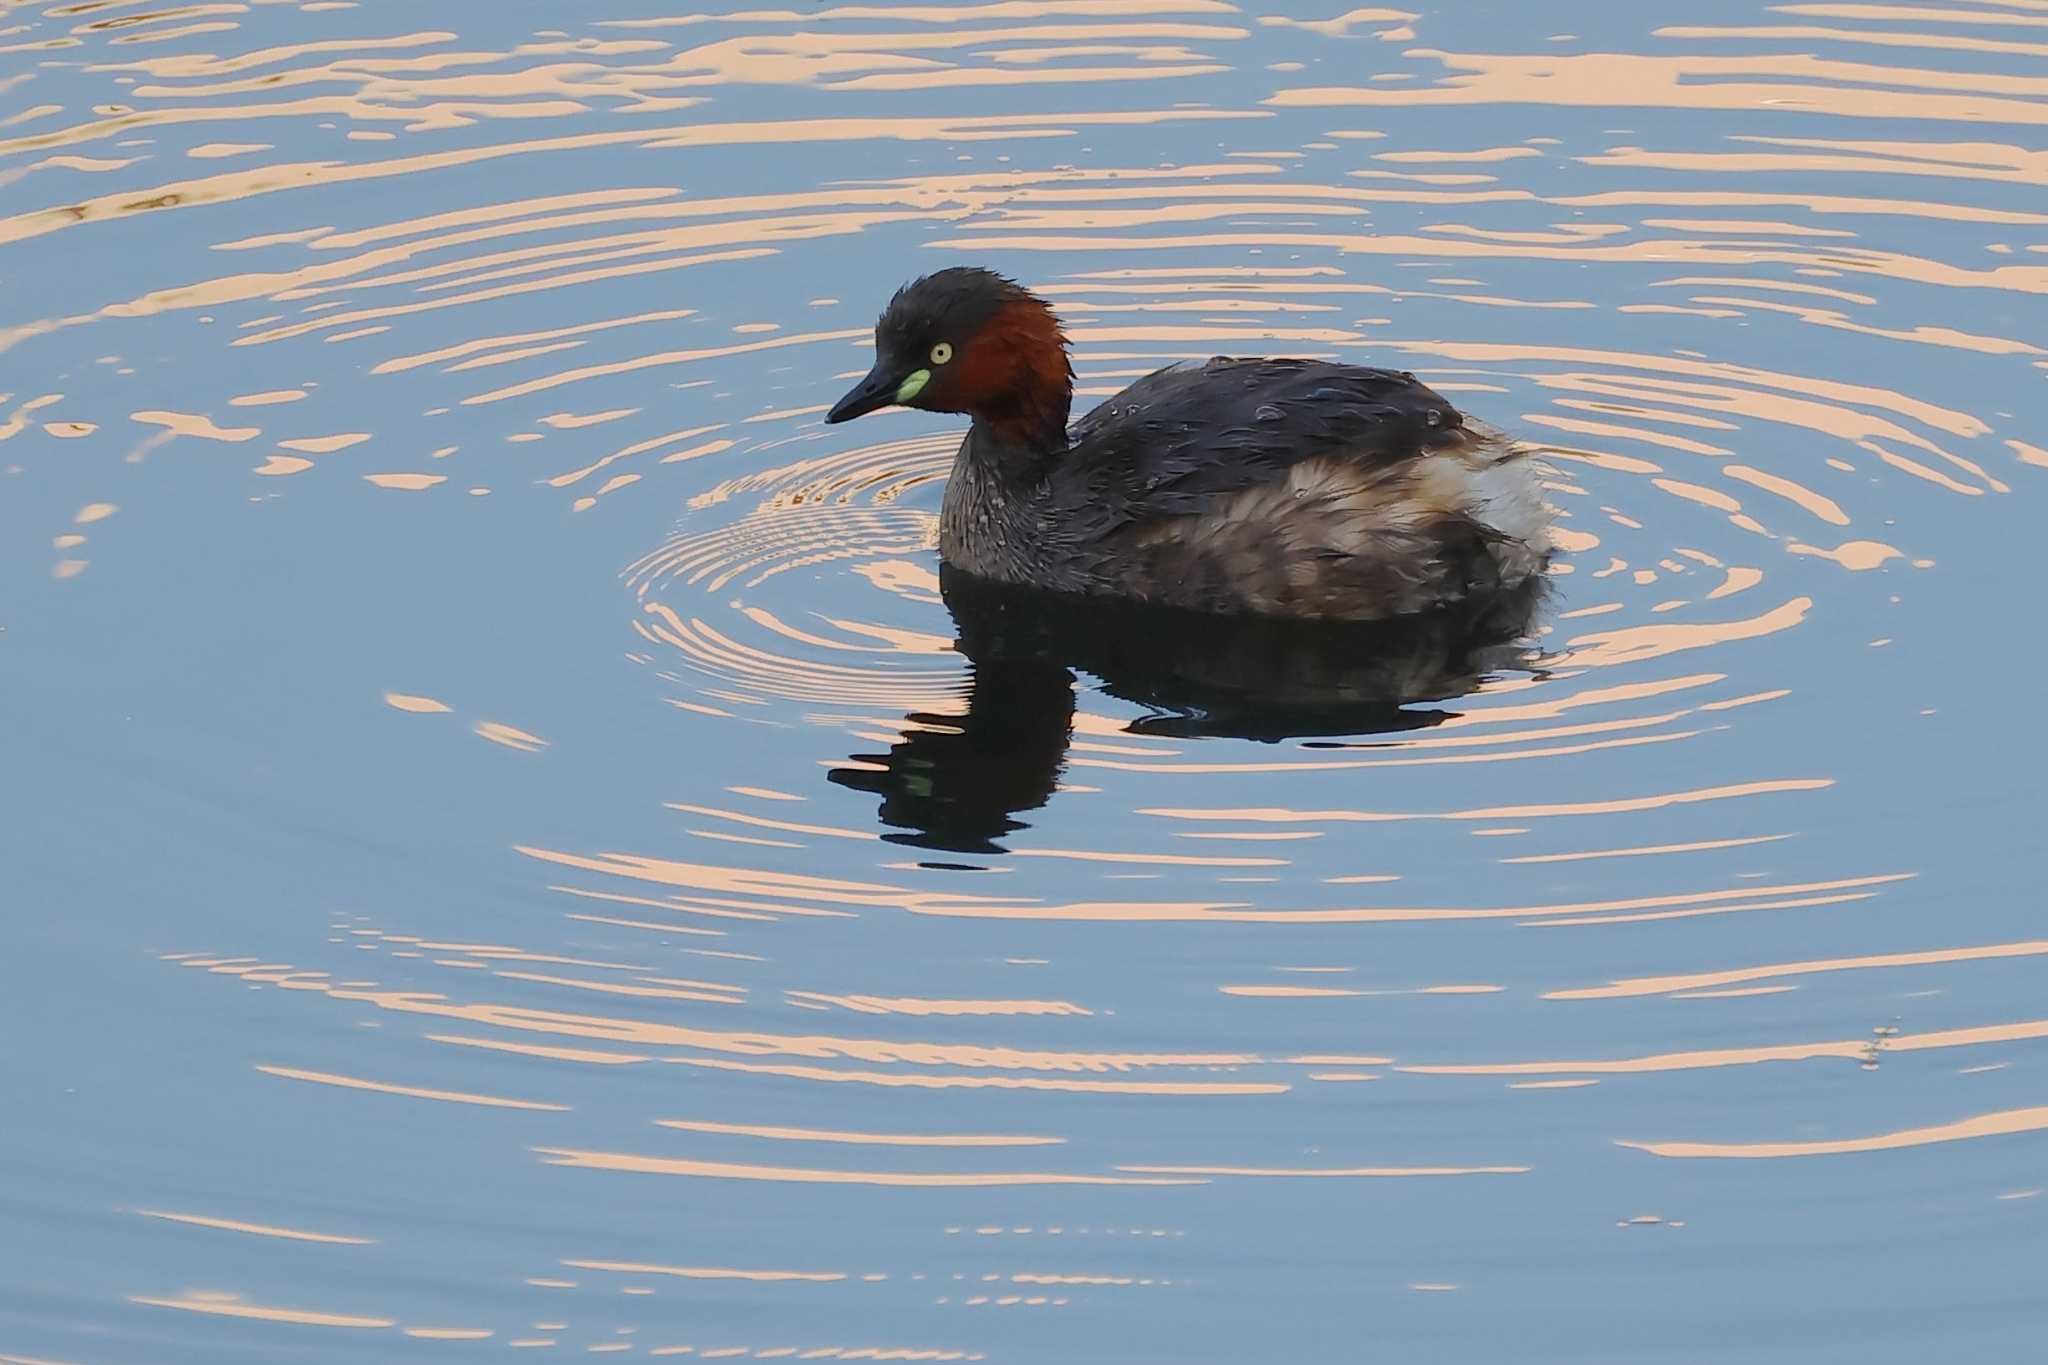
x: 449, y: 917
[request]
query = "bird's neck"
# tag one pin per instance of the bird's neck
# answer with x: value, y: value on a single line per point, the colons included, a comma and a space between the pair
x: 1031, y: 422
x: 1015, y: 450
x: 989, y: 522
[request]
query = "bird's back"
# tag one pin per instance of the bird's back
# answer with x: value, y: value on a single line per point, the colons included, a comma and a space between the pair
x: 1291, y: 487
x: 1180, y: 436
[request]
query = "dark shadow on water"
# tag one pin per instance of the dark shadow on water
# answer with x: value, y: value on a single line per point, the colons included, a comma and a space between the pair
x: 954, y: 782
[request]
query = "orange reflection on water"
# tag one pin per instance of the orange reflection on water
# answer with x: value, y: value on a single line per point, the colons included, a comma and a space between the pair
x: 256, y: 1229
x: 415, y: 1092
x: 1854, y: 1049
x: 729, y: 1170
x: 1446, y: 736
x: 647, y: 992
x: 510, y: 737
x: 1325, y: 765
x: 554, y: 1054
x: 1276, y: 815
x: 1634, y: 644
x: 1697, y: 846
x: 1857, y: 556
x: 231, y: 1307
x: 1289, y: 992
x: 928, y: 1081
x: 705, y: 1272
x: 1983, y: 1125
x: 1791, y: 81
x: 1691, y: 903
x: 1660, y: 985
x: 1826, y: 405
x: 652, y: 1033
x: 196, y: 425
x: 859, y: 1139
x: 1582, y: 427
x: 793, y: 893
x: 1552, y: 1085
x: 921, y: 1008
x: 457, y: 353
x: 1873, y: 37
x: 1821, y: 506
x: 1344, y: 1171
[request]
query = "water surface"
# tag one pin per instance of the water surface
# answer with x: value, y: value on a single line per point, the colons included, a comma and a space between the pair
x: 506, y: 854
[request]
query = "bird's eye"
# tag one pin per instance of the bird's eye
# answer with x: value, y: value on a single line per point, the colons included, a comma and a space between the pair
x: 942, y: 353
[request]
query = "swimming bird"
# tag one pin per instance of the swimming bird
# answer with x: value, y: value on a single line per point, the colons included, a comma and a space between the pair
x: 1283, y: 487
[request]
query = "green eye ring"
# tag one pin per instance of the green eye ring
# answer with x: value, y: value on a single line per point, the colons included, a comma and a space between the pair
x: 942, y: 353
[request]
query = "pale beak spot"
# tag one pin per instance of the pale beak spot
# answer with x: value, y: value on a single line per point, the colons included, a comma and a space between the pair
x: 912, y: 384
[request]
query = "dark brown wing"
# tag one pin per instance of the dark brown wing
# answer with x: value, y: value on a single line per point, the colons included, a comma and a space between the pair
x: 1178, y: 439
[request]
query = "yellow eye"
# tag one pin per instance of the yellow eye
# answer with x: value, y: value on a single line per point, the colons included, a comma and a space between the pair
x: 942, y: 353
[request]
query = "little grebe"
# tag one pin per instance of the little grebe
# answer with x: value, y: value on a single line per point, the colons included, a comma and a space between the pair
x: 1298, y: 488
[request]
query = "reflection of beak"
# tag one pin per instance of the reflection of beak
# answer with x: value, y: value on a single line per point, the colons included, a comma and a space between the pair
x: 882, y: 387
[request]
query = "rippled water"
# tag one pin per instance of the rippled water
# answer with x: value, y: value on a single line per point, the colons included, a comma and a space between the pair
x: 504, y: 849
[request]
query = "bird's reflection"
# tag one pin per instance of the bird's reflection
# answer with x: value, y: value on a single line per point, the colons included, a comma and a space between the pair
x: 954, y: 782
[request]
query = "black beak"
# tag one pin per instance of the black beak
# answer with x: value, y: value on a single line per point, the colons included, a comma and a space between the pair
x: 878, y: 390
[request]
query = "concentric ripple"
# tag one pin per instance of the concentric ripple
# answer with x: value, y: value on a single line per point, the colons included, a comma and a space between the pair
x: 731, y: 601
x: 1701, y: 505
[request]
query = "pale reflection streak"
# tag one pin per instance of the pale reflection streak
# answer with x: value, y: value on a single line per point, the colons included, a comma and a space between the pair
x: 1726, y: 901
x: 272, y: 179
x: 255, y: 1229
x: 746, y: 1043
x: 2000, y: 1124
x: 729, y: 1170
x: 1859, y: 1050
x: 668, y: 1035
x: 2021, y: 279
x: 1662, y: 985
x: 1676, y: 905
x: 978, y: 1059
x: 1696, y: 846
x: 1327, y: 765
x: 231, y: 1307
x: 705, y: 1272
x: 930, y: 1008
x: 1797, y: 82
x: 415, y: 1092
x: 965, y: 192
x: 1869, y: 37
x: 944, y: 1081
x: 1369, y: 1172
x: 787, y: 1134
x: 1280, y: 815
